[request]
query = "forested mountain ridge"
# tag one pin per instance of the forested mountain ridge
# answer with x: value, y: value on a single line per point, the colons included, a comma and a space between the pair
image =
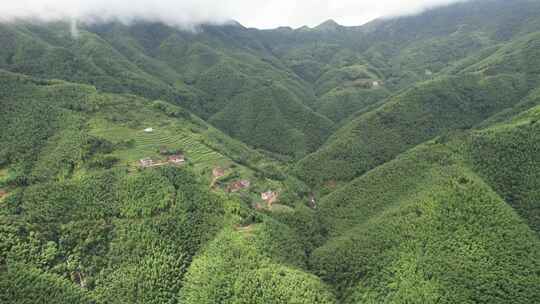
x: 83, y: 215
x: 209, y: 71
x: 473, y: 89
x: 193, y: 70
x: 394, y: 162
x: 429, y: 209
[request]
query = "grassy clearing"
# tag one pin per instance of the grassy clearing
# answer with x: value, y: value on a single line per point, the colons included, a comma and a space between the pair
x: 148, y: 144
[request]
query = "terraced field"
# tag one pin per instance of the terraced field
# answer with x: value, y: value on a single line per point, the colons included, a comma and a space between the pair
x: 147, y: 144
x: 189, y: 143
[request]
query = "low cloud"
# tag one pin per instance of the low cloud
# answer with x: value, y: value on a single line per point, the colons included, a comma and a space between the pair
x: 176, y: 12
x: 254, y: 13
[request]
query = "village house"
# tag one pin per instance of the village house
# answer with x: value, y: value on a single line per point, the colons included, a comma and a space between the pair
x: 2, y: 193
x: 375, y: 84
x: 148, y: 130
x: 176, y: 159
x: 239, y: 185
x: 218, y: 172
x: 245, y: 183
x: 312, y: 201
x: 146, y: 162
x: 269, y: 196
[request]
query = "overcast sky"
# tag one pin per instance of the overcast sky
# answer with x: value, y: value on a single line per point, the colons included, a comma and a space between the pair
x: 251, y: 13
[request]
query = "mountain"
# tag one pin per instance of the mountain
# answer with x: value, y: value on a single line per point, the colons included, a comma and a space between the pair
x: 424, y: 215
x: 203, y: 72
x: 328, y: 25
x: 80, y: 212
x: 54, y: 130
x: 392, y: 162
x: 408, y: 119
x: 462, y: 96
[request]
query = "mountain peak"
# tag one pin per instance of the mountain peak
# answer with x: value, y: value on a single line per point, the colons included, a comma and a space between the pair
x: 304, y: 28
x: 329, y: 24
x: 234, y: 23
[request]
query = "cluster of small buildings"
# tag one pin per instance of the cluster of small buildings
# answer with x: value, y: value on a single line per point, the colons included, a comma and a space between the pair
x: 269, y: 197
x: 368, y: 83
x: 148, y: 162
x: 236, y: 186
x: 173, y: 157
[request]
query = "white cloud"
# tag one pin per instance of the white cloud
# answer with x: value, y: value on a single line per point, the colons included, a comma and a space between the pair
x: 255, y: 13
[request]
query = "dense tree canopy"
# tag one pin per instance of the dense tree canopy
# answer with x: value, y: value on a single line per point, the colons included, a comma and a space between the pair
x: 395, y: 162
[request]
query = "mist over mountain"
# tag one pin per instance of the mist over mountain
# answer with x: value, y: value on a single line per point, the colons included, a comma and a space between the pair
x: 161, y: 153
x: 188, y: 14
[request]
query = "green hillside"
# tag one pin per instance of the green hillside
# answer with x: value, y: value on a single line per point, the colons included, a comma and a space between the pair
x: 233, y: 269
x: 419, y: 226
x: 197, y: 72
x: 458, y: 242
x: 506, y: 156
x: 55, y: 130
x: 271, y: 118
x: 394, y: 162
x: 342, y: 103
x: 327, y: 68
x: 477, y: 88
x: 408, y: 119
x: 83, y: 220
